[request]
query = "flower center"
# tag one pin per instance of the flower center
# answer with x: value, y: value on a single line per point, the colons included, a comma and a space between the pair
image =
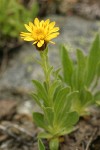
x: 39, y: 34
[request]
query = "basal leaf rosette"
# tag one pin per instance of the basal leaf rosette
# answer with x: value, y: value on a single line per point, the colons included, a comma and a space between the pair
x: 40, y: 33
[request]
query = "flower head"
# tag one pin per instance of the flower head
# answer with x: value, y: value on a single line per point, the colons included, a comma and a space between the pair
x: 40, y: 32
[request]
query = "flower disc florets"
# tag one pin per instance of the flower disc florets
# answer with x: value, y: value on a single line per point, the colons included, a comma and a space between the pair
x: 40, y: 32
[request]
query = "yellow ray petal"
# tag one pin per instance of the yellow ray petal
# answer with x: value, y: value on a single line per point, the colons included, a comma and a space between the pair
x: 40, y: 43
x: 25, y: 34
x: 47, y: 22
x: 36, y: 22
x: 41, y: 23
x: 28, y: 39
x: 54, y: 29
x: 31, y: 25
x: 35, y: 42
x: 28, y: 28
x: 51, y: 36
x: 51, y: 25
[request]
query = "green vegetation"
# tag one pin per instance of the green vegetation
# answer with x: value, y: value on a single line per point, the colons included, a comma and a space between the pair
x: 54, y: 99
x: 83, y: 76
x: 12, y: 17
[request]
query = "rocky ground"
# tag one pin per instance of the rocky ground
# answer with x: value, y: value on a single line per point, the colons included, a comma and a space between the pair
x: 85, y: 8
x: 18, y: 132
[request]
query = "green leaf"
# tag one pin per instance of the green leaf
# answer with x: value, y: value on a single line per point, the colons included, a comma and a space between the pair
x: 35, y: 97
x: 34, y: 9
x: 48, y: 115
x: 97, y: 96
x: 56, y: 73
x: 75, y: 99
x: 57, y: 90
x: 71, y: 119
x: 67, y: 65
x: 44, y: 135
x: 98, y: 102
x: 86, y: 98
x: 81, y: 64
x: 41, y: 92
x: 67, y: 106
x: 17, y: 14
x: 53, y: 88
x: 39, y: 119
x: 50, y: 70
x: 54, y: 144
x: 45, y: 86
x: 93, y: 59
x: 41, y: 145
x: 97, y: 76
x: 66, y: 130
x: 63, y: 104
x: 74, y: 79
x: 68, y: 120
x: 60, y: 99
x: 98, y: 70
x: 70, y: 100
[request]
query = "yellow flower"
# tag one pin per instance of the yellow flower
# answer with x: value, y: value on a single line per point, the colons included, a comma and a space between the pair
x: 40, y: 32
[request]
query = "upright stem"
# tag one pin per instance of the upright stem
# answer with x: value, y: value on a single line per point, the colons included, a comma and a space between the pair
x: 45, y: 65
x: 47, y: 73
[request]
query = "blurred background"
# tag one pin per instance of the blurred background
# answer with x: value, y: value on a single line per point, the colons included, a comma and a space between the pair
x: 79, y: 21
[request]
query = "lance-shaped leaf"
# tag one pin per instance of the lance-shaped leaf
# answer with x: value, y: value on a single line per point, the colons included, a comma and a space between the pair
x: 67, y: 123
x: 57, y: 90
x: 86, y: 98
x: 53, y: 88
x: 67, y: 65
x: 98, y: 102
x: 97, y: 96
x: 36, y: 99
x: 48, y: 116
x: 60, y: 99
x: 50, y: 70
x: 44, y: 135
x: 81, y: 67
x: 93, y: 59
x: 71, y: 120
x: 98, y: 70
x: 66, y: 106
x: 54, y: 144
x: 70, y: 100
x: 97, y: 76
x: 39, y: 119
x: 66, y: 130
x: 74, y: 79
x: 41, y: 92
x: 41, y: 145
